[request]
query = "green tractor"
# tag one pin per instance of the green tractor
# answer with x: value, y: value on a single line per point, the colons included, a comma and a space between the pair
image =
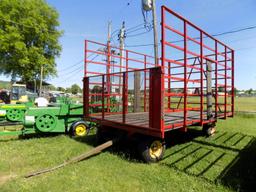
x: 14, y: 105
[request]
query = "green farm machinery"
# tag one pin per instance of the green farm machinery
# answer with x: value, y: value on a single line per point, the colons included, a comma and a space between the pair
x: 64, y: 116
x: 13, y: 112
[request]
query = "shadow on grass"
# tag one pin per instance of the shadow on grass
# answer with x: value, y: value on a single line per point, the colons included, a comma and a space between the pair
x: 89, y: 140
x: 240, y: 175
x: 226, y: 158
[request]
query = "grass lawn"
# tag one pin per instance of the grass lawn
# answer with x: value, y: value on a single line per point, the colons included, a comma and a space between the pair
x: 245, y: 104
x: 192, y: 162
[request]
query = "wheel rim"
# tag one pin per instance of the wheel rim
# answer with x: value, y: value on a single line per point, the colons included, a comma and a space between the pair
x: 80, y: 130
x: 156, y: 149
x: 46, y: 123
x: 14, y: 114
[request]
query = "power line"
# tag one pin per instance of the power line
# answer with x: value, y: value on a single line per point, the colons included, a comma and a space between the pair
x: 76, y: 70
x: 235, y: 31
x: 131, y: 28
x: 246, y: 48
x: 128, y: 30
x: 138, y: 34
x: 214, y: 35
x: 77, y: 63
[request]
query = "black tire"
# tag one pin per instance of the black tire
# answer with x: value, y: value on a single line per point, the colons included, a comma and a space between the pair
x: 79, y: 129
x: 209, y: 129
x: 151, y: 150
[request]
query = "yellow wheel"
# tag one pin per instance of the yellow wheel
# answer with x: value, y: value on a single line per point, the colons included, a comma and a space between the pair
x: 79, y: 128
x: 156, y: 149
x: 152, y: 150
x: 209, y: 129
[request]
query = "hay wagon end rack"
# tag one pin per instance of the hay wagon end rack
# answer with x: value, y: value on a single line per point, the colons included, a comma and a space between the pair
x: 192, y: 85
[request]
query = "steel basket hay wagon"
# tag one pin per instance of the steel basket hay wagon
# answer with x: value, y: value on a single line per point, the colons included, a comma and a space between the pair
x: 192, y: 85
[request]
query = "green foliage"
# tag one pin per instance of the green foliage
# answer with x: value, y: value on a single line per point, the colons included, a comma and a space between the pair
x: 68, y: 90
x: 75, y: 89
x: 28, y: 38
x: 5, y: 85
x: 236, y: 91
x: 221, y: 89
x: 61, y: 89
x: 52, y: 87
x: 249, y: 91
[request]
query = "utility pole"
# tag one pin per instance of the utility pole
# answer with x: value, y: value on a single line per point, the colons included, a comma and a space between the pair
x: 121, y: 39
x: 155, y: 31
x: 150, y: 5
x: 109, y: 30
x: 41, y: 79
x: 108, y: 53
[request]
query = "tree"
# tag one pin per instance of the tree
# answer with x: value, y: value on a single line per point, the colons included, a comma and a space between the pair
x: 61, y: 89
x: 68, y: 90
x: 221, y: 89
x: 249, y: 91
x: 52, y: 88
x: 75, y: 89
x: 28, y: 38
x: 236, y: 91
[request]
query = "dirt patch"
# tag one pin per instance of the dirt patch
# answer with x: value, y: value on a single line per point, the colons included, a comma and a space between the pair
x: 5, y: 178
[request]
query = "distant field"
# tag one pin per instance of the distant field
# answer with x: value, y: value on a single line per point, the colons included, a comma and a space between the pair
x: 245, y: 104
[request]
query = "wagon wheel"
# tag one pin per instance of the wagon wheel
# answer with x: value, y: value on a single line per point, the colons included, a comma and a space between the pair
x: 46, y: 123
x: 209, y: 129
x: 14, y: 114
x: 151, y: 150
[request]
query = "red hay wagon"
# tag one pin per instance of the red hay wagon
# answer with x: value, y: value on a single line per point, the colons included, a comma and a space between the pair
x: 192, y: 85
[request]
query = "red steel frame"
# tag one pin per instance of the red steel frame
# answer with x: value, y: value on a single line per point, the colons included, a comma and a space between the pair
x: 160, y: 97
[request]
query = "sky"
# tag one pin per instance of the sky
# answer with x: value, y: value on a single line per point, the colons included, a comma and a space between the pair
x: 85, y: 19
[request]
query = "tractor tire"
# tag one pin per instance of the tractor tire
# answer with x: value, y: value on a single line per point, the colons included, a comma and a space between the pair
x: 79, y: 129
x: 151, y: 150
x: 209, y: 129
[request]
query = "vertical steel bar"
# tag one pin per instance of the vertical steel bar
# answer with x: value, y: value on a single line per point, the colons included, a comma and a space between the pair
x: 108, y: 76
x: 209, y: 89
x: 103, y: 97
x: 126, y: 79
x: 216, y: 80
x: 155, y: 105
x: 225, y: 105
x: 86, y: 96
x: 85, y: 57
x: 124, y: 97
x: 233, y: 82
x: 145, y: 83
x: 185, y: 76
x: 169, y: 85
x: 201, y: 78
x: 162, y: 98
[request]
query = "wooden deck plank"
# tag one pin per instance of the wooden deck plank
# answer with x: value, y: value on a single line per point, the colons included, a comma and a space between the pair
x: 142, y: 118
